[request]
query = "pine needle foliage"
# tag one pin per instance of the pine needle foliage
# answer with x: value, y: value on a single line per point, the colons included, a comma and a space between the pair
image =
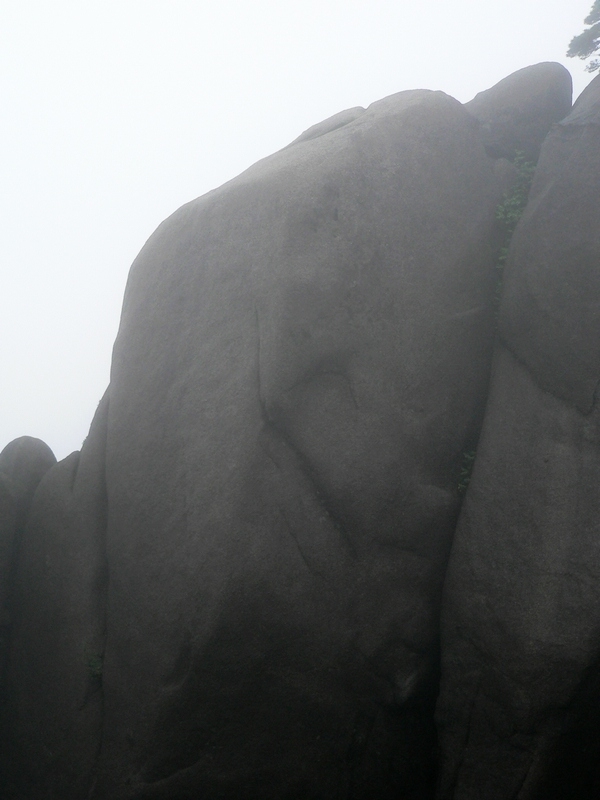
x: 588, y: 42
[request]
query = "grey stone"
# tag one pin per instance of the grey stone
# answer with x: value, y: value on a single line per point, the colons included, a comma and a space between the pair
x: 550, y: 313
x: 8, y: 524
x: 234, y: 591
x: 25, y: 461
x: 8, y: 520
x: 517, y: 113
x: 331, y: 124
x: 302, y: 360
x: 520, y: 696
x: 54, y: 675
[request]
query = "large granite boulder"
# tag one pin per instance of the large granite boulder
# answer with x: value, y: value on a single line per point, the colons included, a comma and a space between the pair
x: 517, y: 113
x: 233, y: 592
x: 302, y: 361
x: 520, y: 703
x: 54, y: 705
x: 23, y: 463
x: 8, y: 519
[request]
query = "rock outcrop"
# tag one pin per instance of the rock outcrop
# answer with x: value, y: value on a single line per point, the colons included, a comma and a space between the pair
x: 302, y: 361
x: 314, y: 368
x: 516, y: 113
x: 54, y: 676
x: 23, y: 463
x: 234, y: 591
x: 521, y: 638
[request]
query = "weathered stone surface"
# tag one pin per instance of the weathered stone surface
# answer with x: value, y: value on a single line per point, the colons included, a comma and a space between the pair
x: 328, y: 125
x: 550, y: 315
x: 54, y: 674
x: 521, y: 626
x: 234, y: 591
x: 8, y: 524
x: 25, y: 461
x: 302, y: 360
x: 517, y: 113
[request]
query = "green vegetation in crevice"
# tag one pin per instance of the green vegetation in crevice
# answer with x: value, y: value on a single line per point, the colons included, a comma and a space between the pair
x: 466, y: 468
x: 95, y: 666
x: 94, y: 662
x: 510, y: 211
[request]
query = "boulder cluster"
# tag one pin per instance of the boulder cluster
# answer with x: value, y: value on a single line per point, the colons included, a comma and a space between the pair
x: 335, y: 530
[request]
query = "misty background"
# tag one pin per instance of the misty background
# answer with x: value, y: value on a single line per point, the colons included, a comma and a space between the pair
x: 116, y: 113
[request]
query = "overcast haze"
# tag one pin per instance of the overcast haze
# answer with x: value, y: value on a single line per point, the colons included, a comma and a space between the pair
x: 116, y: 113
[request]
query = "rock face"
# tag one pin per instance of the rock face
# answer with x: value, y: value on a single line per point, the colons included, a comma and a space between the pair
x: 23, y: 463
x: 521, y: 630
x: 54, y: 706
x: 302, y: 361
x: 516, y: 113
x: 234, y: 591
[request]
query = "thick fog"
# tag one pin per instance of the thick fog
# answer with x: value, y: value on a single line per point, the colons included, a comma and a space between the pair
x: 116, y: 113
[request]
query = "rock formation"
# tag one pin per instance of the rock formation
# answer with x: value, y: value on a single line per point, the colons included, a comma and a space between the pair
x: 517, y: 113
x: 235, y: 589
x: 23, y: 463
x: 522, y: 606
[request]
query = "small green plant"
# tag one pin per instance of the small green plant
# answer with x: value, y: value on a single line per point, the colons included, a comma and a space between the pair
x: 93, y: 660
x: 510, y: 211
x: 95, y: 664
x: 466, y: 468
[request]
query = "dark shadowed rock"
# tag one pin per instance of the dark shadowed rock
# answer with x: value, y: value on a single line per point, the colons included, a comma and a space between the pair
x: 517, y: 113
x: 25, y: 461
x: 8, y: 519
x: 521, y: 633
x: 550, y: 315
x: 302, y: 361
x: 8, y: 523
x: 54, y: 674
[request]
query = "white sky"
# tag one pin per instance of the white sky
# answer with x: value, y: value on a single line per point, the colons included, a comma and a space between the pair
x: 116, y: 112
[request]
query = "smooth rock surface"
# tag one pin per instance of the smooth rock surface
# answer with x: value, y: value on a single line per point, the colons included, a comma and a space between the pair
x: 233, y: 592
x: 550, y: 315
x: 302, y: 361
x: 521, y: 616
x: 54, y: 675
x: 8, y: 524
x: 25, y: 461
x: 517, y: 113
